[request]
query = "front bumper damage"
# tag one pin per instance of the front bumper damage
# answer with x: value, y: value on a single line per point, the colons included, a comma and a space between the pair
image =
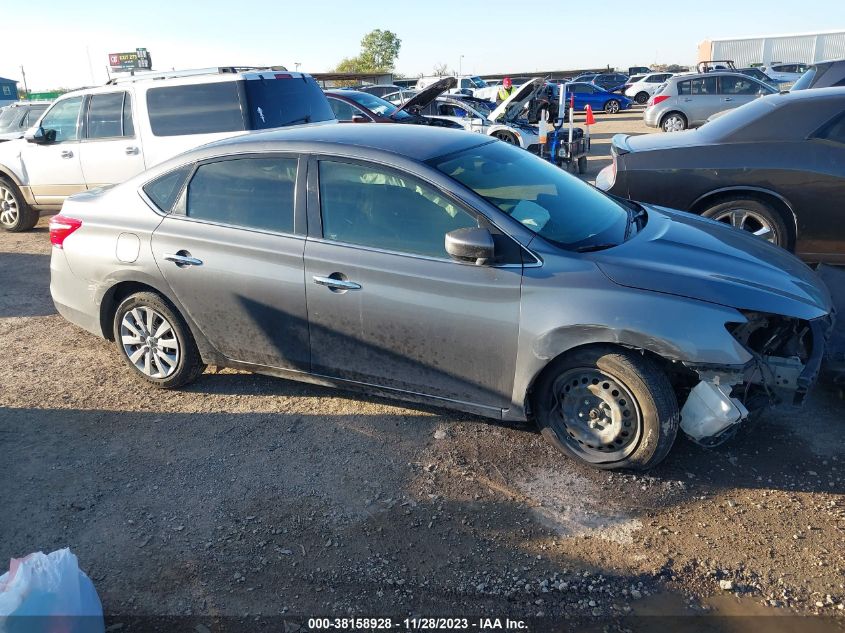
x: 787, y: 356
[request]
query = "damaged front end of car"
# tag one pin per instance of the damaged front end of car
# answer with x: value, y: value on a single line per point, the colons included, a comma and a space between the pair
x: 786, y: 359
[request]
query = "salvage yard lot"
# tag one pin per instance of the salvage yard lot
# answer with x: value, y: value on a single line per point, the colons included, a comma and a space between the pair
x: 250, y: 495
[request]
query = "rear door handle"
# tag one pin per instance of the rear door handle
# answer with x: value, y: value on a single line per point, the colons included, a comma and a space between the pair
x: 182, y: 259
x: 336, y: 284
x: 66, y: 153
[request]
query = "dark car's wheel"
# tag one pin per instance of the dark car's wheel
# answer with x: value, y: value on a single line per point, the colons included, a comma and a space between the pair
x: 609, y: 407
x: 15, y: 214
x: 641, y: 97
x: 507, y: 137
x: 673, y: 122
x: 612, y: 106
x: 753, y: 216
x: 155, y: 342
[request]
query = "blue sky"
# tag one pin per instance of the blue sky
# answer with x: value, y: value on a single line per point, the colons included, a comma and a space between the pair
x: 54, y: 39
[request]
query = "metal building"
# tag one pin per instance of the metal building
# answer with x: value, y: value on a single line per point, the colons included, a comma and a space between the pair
x: 802, y: 47
x: 8, y: 91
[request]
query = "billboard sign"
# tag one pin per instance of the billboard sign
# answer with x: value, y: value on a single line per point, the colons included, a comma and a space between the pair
x: 139, y: 60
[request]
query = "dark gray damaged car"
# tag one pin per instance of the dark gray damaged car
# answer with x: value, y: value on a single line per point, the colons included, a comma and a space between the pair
x: 442, y: 267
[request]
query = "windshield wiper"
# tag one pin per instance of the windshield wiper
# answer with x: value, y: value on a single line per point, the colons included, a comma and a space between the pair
x: 595, y: 247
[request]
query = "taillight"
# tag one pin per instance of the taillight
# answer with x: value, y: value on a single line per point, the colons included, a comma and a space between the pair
x: 61, y: 226
x: 658, y: 98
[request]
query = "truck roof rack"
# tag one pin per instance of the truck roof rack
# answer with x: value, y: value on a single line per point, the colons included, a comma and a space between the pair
x: 219, y: 70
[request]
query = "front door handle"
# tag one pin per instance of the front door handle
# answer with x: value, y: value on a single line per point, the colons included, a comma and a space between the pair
x: 66, y: 153
x: 182, y: 259
x: 131, y: 151
x: 334, y: 283
x: 729, y: 99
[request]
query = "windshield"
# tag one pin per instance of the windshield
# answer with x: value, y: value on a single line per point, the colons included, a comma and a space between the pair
x: 285, y: 101
x: 544, y: 198
x: 7, y: 117
x: 379, y: 106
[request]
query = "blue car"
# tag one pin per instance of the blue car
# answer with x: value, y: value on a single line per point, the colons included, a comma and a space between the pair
x: 598, y: 98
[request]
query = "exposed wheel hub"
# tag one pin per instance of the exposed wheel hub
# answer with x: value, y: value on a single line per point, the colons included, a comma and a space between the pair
x: 597, y: 412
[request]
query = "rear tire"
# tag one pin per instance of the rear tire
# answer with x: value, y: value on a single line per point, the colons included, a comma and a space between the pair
x: 673, y: 122
x: 753, y: 216
x: 155, y: 342
x: 641, y: 97
x: 609, y: 407
x: 16, y: 215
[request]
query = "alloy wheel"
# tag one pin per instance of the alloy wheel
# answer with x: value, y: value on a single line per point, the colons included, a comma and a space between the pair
x: 612, y: 106
x: 597, y: 415
x: 9, y: 209
x: 674, y: 123
x: 750, y: 221
x: 149, y: 342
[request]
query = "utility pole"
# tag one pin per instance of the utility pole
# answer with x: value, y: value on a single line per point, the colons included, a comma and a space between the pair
x: 25, y: 89
x: 460, y: 65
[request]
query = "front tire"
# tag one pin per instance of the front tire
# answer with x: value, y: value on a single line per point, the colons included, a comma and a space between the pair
x: 612, y: 106
x: 609, y: 407
x: 507, y: 137
x: 16, y: 215
x: 751, y: 215
x: 155, y: 342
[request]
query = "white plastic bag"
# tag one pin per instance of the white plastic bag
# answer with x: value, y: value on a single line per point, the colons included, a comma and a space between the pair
x: 48, y: 593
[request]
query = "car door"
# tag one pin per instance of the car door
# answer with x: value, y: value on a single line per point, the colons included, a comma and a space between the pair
x: 699, y: 98
x: 110, y: 151
x: 386, y: 304
x: 231, y: 251
x: 53, y: 170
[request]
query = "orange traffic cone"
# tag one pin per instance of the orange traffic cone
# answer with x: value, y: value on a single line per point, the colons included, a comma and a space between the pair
x: 591, y: 120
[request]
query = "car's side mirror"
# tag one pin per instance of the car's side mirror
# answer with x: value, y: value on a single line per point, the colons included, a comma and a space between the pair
x: 40, y: 136
x: 471, y: 244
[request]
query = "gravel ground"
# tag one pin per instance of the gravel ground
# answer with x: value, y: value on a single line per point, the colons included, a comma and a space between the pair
x: 245, y: 495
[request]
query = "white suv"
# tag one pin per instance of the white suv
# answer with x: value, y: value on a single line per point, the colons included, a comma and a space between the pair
x: 640, y: 91
x: 102, y: 136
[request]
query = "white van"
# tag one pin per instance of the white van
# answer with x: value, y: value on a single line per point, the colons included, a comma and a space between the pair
x: 105, y: 135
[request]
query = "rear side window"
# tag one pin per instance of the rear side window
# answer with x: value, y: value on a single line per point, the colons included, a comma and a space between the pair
x: 834, y: 130
x: 107, y: 117
x: 164, y: 190
x: 195, y: 109
x: 701, y: 86
x: 253, y: 193
x: 286, y: 101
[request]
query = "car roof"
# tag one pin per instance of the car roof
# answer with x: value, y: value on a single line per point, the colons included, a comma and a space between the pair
x: 417, y: 142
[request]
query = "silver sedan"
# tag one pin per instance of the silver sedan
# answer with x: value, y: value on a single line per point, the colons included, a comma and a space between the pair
x: 441, y: 267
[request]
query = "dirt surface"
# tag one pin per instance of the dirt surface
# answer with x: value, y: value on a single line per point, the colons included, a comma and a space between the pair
x: 245, y: 495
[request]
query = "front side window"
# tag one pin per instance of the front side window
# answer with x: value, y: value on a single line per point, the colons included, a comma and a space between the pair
x: 195, y: 109
x: 731, y: 85
x: 342, y: 110
x: 371, y: 206
x: 379, y: 106
x: 63, y: 119
x: 106, y: 116
x: 253, y: 193
x: 701, y: 86
x: 544, y: 198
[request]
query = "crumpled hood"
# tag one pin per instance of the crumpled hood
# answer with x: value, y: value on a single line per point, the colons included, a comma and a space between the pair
x: 683, y: 254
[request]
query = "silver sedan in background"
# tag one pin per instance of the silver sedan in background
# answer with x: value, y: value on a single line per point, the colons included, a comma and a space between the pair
x: 442, y: 267
x: 688, y: 100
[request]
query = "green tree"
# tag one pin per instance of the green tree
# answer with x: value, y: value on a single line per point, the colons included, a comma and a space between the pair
x: 379, y: 49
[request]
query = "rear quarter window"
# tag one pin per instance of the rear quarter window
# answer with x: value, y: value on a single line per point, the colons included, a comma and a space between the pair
x: 195, y: 109
x: 164, y: 190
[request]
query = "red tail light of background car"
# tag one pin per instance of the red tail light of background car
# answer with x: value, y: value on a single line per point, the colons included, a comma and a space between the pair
x: 61, y: 226
x: 657, y: 99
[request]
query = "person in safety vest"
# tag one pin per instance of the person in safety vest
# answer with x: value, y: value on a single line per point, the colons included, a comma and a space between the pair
x: 505, y: 90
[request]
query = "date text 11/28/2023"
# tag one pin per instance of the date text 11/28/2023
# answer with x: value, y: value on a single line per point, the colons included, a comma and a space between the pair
x: 417, y: 624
